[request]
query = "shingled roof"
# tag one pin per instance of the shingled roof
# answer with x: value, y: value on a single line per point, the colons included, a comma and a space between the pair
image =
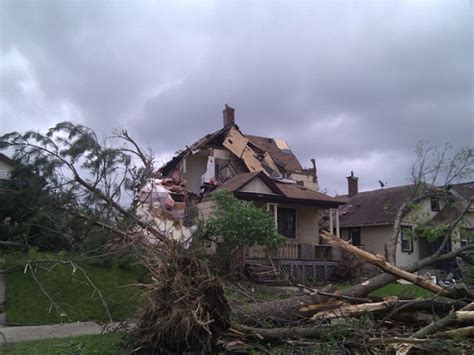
x: 466, y: 190
x: 374, y: 207
x: 284, y: 191
x: 283, y: 157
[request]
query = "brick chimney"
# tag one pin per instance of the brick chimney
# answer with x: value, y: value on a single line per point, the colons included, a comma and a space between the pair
x: 229, y: 117
x: 352, y: 184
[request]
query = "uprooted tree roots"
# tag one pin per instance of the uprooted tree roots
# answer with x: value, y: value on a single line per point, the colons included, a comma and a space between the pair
x: 186, y: 309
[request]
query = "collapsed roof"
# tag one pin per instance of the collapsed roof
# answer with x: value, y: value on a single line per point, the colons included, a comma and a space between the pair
x: 249, y: 157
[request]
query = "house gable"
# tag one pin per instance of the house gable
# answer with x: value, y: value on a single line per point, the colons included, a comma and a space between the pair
x: 257, y: 186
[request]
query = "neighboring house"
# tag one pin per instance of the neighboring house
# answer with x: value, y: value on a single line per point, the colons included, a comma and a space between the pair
x: 6, y: 166
x: 266, y: 171
x: 368, y: 217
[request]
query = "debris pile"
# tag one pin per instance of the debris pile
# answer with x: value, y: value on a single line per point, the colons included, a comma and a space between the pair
x: 443, y: 321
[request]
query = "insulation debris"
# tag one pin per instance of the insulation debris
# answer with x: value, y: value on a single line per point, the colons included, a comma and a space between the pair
x: 165, y: 197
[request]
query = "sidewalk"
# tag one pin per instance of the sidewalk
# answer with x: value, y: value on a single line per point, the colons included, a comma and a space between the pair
x: 24, y: 333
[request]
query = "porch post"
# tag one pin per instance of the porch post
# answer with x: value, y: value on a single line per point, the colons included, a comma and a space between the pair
x: 338, y: 234
x: 331, y: 224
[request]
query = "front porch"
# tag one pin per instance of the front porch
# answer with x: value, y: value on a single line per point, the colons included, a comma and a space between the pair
x: 296, y: 261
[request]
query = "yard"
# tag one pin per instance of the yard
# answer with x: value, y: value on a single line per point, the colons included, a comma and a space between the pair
x: 27, y: 302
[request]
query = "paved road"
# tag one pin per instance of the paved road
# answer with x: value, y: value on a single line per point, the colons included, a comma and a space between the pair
x: 15, y: 334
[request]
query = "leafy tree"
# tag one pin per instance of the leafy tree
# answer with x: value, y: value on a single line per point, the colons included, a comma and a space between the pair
x: 70, y: 186
x: 31, y: 214
x: 234, y: 224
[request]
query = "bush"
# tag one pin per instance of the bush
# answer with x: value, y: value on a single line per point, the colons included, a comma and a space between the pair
x: 234, y: 224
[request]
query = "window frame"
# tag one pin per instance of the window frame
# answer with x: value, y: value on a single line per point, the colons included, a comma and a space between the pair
x: 355, y: 229
x: 435, y: 206
x: 406, y: 239
x: 281, y: 212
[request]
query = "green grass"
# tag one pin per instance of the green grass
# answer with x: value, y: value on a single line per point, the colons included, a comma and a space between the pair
x: 396, y: 289
x: 89, y: 344
x: 26, y: 304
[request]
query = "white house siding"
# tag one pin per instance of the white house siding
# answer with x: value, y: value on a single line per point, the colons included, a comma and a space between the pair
x: 204, y: 209
x: 194, y: 167
x: 5, y: 170
x: 403, y: 258
x: 307, y: 179
x: 375, y: 238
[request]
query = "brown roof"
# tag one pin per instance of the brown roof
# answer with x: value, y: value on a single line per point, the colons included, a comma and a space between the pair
x: 374, y: 207
x: 6, y: 159
x: 238, y: 181
x: 466, y: 190
x: 284, y: 158
x: 298, y: 192
x: 286, y: 192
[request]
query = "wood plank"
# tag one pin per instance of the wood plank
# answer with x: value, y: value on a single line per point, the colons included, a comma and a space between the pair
x: 235, y: 142
x: 251, y: 161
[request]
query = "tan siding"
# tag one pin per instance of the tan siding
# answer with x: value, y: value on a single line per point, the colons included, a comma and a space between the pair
x: 307, y: 229
x: 204, y: 209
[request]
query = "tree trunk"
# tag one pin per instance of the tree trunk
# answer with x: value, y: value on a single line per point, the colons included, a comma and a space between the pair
x: 380, y: 261
x: 289, y: 309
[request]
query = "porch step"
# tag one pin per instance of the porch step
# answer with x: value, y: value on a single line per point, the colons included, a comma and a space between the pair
x: 262, y: 273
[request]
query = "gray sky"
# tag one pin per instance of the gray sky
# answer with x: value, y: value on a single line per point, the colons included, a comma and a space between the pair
x: 354, y: 84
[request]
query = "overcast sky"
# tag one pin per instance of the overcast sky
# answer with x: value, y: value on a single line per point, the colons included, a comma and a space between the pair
x: 354, y: 84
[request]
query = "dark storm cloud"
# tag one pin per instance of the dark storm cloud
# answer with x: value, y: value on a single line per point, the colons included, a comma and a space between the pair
x: 353, y: 84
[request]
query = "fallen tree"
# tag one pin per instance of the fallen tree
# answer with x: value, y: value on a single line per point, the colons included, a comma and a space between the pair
x: 289, y: 309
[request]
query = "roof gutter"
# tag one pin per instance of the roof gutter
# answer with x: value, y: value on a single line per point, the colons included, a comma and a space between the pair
x: 251, y: 196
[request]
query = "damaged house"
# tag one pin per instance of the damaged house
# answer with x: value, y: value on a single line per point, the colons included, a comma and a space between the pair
x: 259, y: 169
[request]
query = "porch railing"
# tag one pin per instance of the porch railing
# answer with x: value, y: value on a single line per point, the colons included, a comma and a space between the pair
x: 304, y: 251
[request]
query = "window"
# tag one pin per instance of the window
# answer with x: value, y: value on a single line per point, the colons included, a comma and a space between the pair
x: 354, y: 236
x: 435, y: 204
x: 407, y: 239
x: 4, y: 174
x: 467, y: 236
x: 287, y: 222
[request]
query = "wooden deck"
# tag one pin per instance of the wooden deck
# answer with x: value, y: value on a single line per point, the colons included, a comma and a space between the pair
x: 298, y: 261
x: 304, y: 251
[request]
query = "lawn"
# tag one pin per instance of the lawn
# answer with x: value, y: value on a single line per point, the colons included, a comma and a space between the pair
x: 89, y: 344
x: 27, y: 304
x: 397, y: 289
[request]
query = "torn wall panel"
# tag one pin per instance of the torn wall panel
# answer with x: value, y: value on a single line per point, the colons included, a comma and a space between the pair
x: 251, y: 161
x: 235, y: 142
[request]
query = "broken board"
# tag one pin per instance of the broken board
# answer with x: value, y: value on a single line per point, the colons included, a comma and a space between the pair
x: 251, y: 161
x: 235, y: 142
